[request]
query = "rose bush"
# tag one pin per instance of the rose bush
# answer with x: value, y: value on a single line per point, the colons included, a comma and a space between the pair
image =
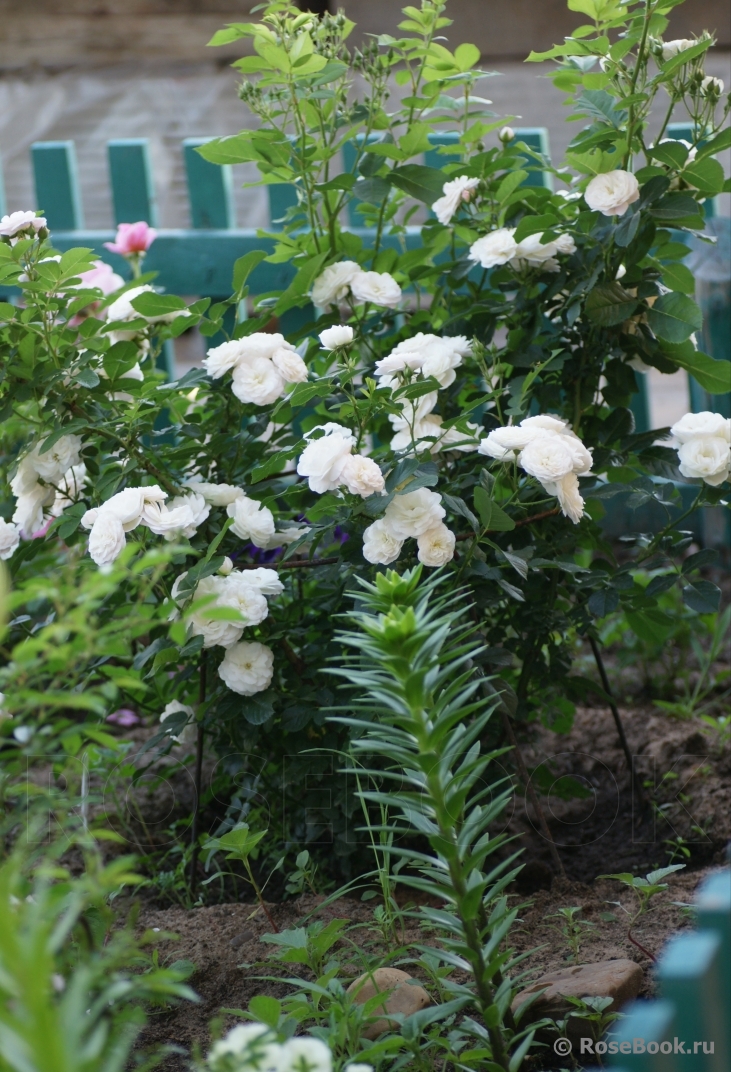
x: 456, y: 392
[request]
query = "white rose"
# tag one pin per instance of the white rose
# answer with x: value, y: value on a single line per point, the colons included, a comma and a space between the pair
x: 215, y: 494
x: 535, y: 253
x: 221, y: 359
x: 502, y: 443
x: 380, y: 546
x: 454, y: 193
x: 21, y: 221
x: 702, y: 424
x: 128, y: 505
x: 189, y: 732
x: 257, y: 380
x: 226, y: 567
x: 28, y: 515
x: 436, y: 546
x: 413, y: 410
x: 289, y: 365
x: 362, y: 476
x: 70, y: 487
x: 213, y: 631
x: 670, y: 49
x: 612, y: 193
x: 380, y: 288
x: 565, y: 243
x: 53, y: 463
x: 705, y: 458
x: 414, y: 513
x: 711, y: 87
x: 305, y: 1054
x: 495, y: 248
x: 566, y: 491
x: 237, y: 592
x: 9, y: 538
x: 323, y: 459
x: 547, y: 422
x: 247, y: 668
x: 333, y: 284
x: 338, y: 335
x: 122, y: 308
x: 547, y: 458
x: 180, y: 517
x: 265, y: 580
x: 107, y: 538
x: 506, y: 134
x: 253, y: 1042
x: 252, y: 521
x: 26, y: 477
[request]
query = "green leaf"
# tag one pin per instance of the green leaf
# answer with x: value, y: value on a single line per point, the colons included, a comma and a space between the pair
x: 713, y: 376
x: 244, y: 266
x: 266, y: 1010
x: 678, y: 277
x: 715, y: 145
x: 258, y: 709
x: 601, y: 105
x: 675, y: 207
x: 151, y: 304
x: 467, y: 56
x: 423, y: 183
x: 674, y: 317
x: 530, y: 225
x: 653, y: 626
x: 492, y: 517
x: 706, y: 175
x: 234, y: 150
x: 87, y: 378
x: 373, y: 190
x: 609, y: 304
x: 702, y: 597
x: 509, y: 183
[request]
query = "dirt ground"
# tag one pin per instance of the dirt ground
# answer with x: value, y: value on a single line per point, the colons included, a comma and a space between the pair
x: 687, y: 793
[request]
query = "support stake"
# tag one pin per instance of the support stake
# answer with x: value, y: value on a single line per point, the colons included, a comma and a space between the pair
x: 198, y: 777
x: 634, y: 776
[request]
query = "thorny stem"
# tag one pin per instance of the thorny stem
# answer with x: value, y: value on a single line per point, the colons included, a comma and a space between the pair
x: 633, y: 83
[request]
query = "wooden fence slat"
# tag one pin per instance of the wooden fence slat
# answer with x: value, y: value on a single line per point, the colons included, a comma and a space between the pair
x: 57, y: 186
x: 3, y: 202
x: 210, y: 189
x: 689, y: 975
x: 645, y: 1021
x: 130, y: 175
x: 713, y: 901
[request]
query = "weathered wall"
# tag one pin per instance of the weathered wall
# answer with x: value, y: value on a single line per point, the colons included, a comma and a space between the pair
x: 60, y: 34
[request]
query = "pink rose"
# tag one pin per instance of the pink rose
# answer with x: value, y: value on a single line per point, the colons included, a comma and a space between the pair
x: 103, y: 277
x: 132, y: 238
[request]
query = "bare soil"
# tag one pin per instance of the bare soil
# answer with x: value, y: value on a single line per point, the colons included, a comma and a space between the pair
x: 687, y: 794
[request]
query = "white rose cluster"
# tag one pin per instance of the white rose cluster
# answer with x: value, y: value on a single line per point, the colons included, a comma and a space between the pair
x: 703, y: 443
x: 252, y: 520
x: 329, y: 463
x: 414, y: 515
x: 547, y: 449
x: 261, y: 365
x: 454, y: 193
x: 255, y: 1048
x: 21, y: 224
x: 121, y: 310
x: 39, y: 475
x: 242, y: 591
x: 421, y: 357
x: 346, y: 277
x: 612, y: 193
x: 499, y: 247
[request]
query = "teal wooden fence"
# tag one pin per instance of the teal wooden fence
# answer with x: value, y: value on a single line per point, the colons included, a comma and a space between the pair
x: 693, y: 978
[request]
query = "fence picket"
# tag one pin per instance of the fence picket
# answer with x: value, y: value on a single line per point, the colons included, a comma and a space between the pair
x: 57, y: 186
x: 210, y: 189
x: 130, y: 175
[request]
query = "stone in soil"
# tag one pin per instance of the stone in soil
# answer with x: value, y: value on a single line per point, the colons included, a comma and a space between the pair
x: 619, y: 980
x: 406, y: 996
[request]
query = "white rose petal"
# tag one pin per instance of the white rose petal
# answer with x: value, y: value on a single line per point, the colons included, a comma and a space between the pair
x: 702, y: 424
x: 333, y: 284
x: 380, y: 546
x: 265, y: 580
x: 9, y: 538
x: 670, y: 49
x: 247, y: 668
x: 362, y: 476
x: 304, y: 1054
x: 323, y: 459
x: 380, y: 288
x: 70, y: 487
x: 547, y: 458
x: 455, y: 193
x: 214, y: 631
x: 414, y: 513
x: 436, y: 546
x: 257, y: 380
x: 21, y: 221
x: 252, y: 520
x: 566, y: 491
x: 226, y: 567
x: 215, y: 494
x: 495, y: 248
x: 711, y: 86
x: 503, y: 443
x: 612, y: 193
x: 338, y: 335
x: 221, y: 359
x: 254, y: 1044
x: 107, y: 539
x: 705, y: 458
x: 290, y: 366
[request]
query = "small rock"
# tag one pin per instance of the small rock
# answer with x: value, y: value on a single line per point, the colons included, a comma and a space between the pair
x: 406, y: 996
x: 619, y: 980
x: 239, y: 939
